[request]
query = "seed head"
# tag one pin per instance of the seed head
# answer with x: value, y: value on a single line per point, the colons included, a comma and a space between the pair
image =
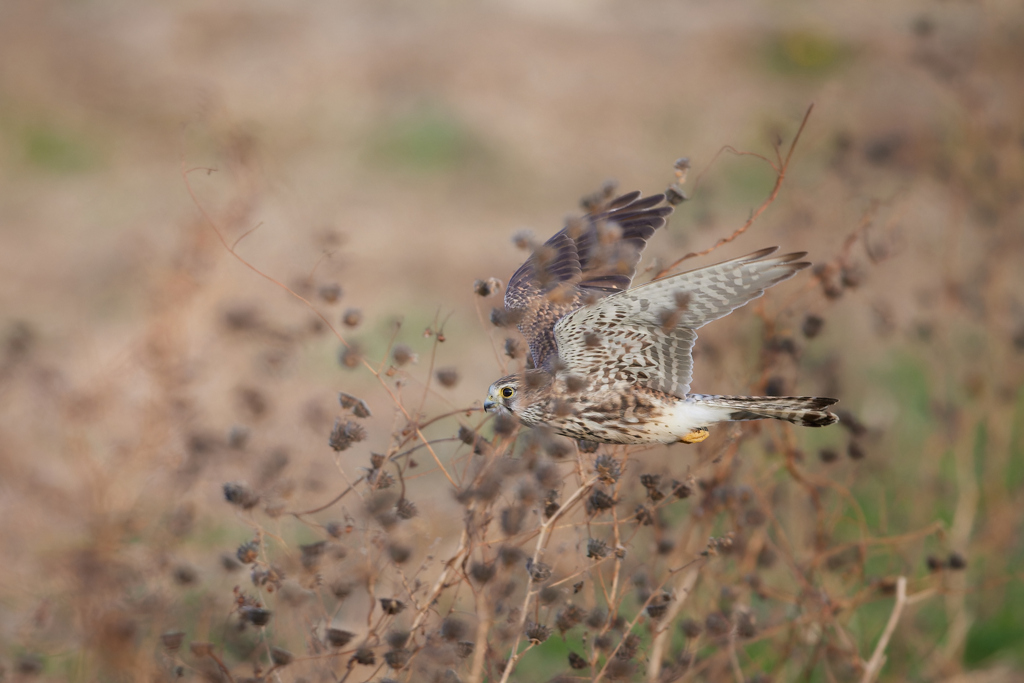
x: 257, y: 616
x: 569, y: 616
x: 248, y: 553
x: 402, y: 355
x: 956, y: 561
x: 364, y: 656
x: 644, y: 516
x: 480, y: 572
x: 717, y: 624
x: 448, y: 377
x: 172, y: 639
x: 658, y: 605
x: 241, y: 495
x: 464, y: 648
x: 607, y: 468
x: 355, y: 404
x: 397, y: 659
x: 538, y: 571
x: 405, y: 508
x: 391, y: 606
x: 599, y: 501
x: 453, y: 628
x: 350, y: 356
x: 330, y: 292
x: 537, y: 633
x: 352, y: 317
x: 344, y: 435
x: 513, y: 349
x: 596, y: 548
x: 339, y: 638
x: 628, y: 648
x: 281, y: 657
x: 487, y: 287
x: 690, y: 628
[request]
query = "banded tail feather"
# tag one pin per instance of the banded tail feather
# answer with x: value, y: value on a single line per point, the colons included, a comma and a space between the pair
x: 807, y: 411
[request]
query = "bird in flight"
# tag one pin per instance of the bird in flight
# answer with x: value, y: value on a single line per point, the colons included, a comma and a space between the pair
x: 612, y: 364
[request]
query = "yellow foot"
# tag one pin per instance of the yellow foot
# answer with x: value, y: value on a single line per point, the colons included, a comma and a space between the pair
x: 696, y: 436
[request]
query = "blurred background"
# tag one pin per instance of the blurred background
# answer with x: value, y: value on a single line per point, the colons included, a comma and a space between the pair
x: 383, y: 155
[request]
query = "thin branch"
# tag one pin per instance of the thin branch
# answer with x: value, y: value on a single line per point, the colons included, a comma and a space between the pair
x: 877, y: 661
x: 545, y: 532
x: 780, y: 171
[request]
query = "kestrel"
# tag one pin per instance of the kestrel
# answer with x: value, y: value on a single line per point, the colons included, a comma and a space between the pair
x: 613, y: 364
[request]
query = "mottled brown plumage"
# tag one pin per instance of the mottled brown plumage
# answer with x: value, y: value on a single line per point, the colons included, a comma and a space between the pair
x: 614, y: 364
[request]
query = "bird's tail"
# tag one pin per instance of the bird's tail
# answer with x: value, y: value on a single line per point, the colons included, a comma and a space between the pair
x: 807, y: 411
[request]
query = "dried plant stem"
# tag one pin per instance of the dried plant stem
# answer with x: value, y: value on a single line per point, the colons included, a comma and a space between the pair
x: 663, y: 630
x: 780, y: 166
x: 542, y: 539
x: 442, y: 579
x: 877, y: 661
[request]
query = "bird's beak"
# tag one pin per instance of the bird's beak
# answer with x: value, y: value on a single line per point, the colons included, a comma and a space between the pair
x: 490, y: 406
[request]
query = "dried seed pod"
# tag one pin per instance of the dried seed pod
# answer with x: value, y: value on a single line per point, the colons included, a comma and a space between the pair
x: 568, y: 617
x: 330, y: 292
x: 464, y: 648
x: 397, y: 659
x: 538, y: 571
x: 658, y: 605
x: 350, y: 356
x: 596, y: 549
x: 509, y: 555
x: 405, y: 508
x: 690, y: 628
x: 828, y: 455
x: 397, y: 639
x: 717, y: 624
x: 812, y: 326
x: 352, y: 317
x: 344, y: 435
x: 172, y: 640
x: 355, y: 404
x: 513, y: 349
x: 628, y: 648
x: 257, y: 616
x: 402, y: 355
x: 587, y: 446
x: 280, y: 656
x: 681, y: 489
x: 599, y: 501
x: 956, y: 561
x: 448, y: 377
x: 480, y: 572
x: 238, y: 493
x: 391, y: 606
x: 607, y: 468
x: 248, y: 553
x: 338, y: 637
x: 399, y: 554
x: 643, y: 515
x: 488, y: 287
x: 745, y: 626
x: 549, y: 595
x: 537, y: 633
x: 453, y: 628
x: 364, y: 656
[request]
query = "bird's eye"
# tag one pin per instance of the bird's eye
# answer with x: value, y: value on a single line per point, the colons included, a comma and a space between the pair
x: 507, y: 392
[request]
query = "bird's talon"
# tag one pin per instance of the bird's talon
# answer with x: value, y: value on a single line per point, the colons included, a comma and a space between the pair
x: 696, y: 436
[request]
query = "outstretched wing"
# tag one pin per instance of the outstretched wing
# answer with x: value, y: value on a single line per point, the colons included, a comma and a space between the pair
x: 588, y: 259
x: 645, y: 335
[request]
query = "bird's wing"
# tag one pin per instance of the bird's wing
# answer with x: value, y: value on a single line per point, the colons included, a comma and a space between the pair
x: 645, y: 335
x: 589, y: 259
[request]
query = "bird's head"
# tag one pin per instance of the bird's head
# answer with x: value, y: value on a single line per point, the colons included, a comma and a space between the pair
x: 518, y: 394
x: 504, y: 394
